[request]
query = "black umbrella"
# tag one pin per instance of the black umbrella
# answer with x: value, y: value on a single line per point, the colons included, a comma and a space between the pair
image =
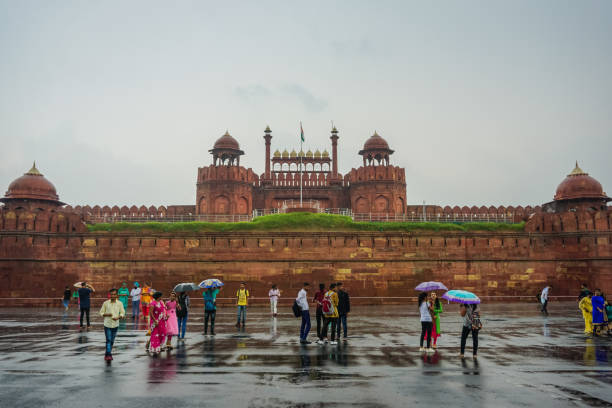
x: 185, y: 287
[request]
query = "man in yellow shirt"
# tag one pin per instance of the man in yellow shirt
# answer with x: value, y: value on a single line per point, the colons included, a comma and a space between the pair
x: 242, y: 296
x: 330, y: 316
x: 112, y: 310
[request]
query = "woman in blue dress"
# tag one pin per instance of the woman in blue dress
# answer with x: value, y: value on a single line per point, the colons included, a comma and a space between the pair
x: 598, y: 311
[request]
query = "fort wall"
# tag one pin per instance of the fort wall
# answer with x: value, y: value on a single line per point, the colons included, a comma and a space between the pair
x: 565, y: 252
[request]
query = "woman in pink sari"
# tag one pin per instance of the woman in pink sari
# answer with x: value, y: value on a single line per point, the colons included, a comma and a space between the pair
x: 158, y: 318
x: 172, y: 322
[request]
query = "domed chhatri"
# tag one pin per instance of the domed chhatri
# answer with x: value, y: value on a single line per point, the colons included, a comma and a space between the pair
x: 226, y: 151
x: 376, y: 151
x: 226, y: 141
x: 376, y: 142
x: 579, y: 184
x: 32, y: 186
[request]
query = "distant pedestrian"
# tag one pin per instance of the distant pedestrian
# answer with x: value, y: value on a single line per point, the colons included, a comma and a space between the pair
x: 171, y: 322
x: 182, y: 313
x: 85, y: 302
x: 609, y: 316
x: 112, y: 310
x: 344, y: 308
x: 242, y: 296
x: 145, y: 302
x: 66, y: 299
x: 157, y: 318
x: 210, y: 309
x: 302, y: 301
x: 135, y: 294
x: 471, y: 324
x: 75, y: 297
x: 425, y: 311
x: 330, y: 312
x: 124, y: 294
x: 318, y: 299
x: 274, y: 294
x: 598, y: 312
x: 586, y: 307
x: 437, y: 310
x: 584, y: 291
x: 544, y: 299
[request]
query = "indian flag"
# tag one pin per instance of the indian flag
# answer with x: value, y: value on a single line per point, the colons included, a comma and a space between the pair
x: 302, y: 133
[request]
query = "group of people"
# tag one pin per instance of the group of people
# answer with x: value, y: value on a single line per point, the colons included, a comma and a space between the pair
x: 430, y: 309
x: 596, y: 311
x: 332, y: 308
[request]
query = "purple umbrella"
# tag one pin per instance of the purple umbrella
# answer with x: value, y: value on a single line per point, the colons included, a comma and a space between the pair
x: 427, y: 286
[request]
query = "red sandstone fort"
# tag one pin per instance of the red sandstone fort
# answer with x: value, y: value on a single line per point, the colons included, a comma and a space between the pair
x: 45, y: 244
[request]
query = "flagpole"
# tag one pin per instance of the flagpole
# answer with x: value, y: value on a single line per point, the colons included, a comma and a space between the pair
x: 301, y: 163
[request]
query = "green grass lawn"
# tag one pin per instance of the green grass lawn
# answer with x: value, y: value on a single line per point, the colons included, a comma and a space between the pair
x: 302, y: 222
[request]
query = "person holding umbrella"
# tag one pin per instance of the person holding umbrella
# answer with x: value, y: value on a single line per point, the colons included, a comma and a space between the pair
x: 210, y: 308
x: 470, y: 311
x: 182, y: 306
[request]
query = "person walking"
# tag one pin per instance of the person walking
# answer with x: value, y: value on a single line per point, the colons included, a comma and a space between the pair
x: 85, y: 302
x: 157, y: 317
x: 344, y: 307
x: 426, y: 322
x: 471, y: 324
x: 145, y: 302
x: 182, y: 312
x: 437, y: 310
x: 330, y: 313
x: 124, y: 294
x: 599, y: 310
x: 544, y: 299
x: 135, y: 294
x: 318, y: 299
x: 210, y: 309
x: 112, y: 310
x: 586, y: 307
x: 302, y: 301
x: 171, y: 322
x: 274, y: 294
x: 66, y: 299
x: 242, y: 296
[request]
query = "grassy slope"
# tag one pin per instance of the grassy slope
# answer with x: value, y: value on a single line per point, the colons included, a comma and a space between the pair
x: 301, y: 222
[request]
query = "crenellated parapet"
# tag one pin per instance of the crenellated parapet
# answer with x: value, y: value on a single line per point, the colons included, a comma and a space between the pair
x: 432, y: 212
x: 375, y: 173
x: 60, y: 220
x: 237, y: 174
x: 571, y: 221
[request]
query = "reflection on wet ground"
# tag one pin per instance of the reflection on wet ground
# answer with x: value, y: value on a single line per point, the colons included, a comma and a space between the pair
x: 525, y: 359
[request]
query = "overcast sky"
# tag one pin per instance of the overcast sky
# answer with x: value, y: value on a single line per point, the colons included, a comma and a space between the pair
x: 484, y: 102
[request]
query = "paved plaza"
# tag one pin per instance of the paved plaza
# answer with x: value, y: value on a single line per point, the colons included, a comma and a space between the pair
x: 525, y: 359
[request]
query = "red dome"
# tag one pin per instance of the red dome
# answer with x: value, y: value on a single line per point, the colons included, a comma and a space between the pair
x: 375, y: 142
x: 33, y: 186
x: 579, y: 184
x: 226, y: 142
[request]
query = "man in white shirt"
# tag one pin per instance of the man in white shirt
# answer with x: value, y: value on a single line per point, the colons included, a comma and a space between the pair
x: 112, y: 310
x: 135, y: 294
x: 274, y: 294
x: 544, y: 299
x: 302, y: 301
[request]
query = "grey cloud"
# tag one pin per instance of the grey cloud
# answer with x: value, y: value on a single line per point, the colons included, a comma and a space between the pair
x: 310, y: 101
x: 251, y: 93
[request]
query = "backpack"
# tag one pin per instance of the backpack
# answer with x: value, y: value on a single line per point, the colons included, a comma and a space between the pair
x: 327, y: 307
x: 476, y: 323
x: 297, y: 310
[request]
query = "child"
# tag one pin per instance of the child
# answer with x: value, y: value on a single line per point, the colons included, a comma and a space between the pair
x: 172, y: 322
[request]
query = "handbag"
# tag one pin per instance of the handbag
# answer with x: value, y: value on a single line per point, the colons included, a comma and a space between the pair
x: 297, y: 310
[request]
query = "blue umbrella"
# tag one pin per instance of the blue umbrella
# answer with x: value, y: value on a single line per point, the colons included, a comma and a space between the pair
x: 210, y: 283
x: 427, y: 286
x: 461, y: 296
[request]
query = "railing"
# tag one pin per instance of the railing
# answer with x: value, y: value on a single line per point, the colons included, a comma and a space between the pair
x: 365, y: 217
x: 172, y: 218
x: 379, y: 217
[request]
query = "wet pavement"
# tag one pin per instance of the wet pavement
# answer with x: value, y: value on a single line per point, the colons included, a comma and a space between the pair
x: 524, y: 359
